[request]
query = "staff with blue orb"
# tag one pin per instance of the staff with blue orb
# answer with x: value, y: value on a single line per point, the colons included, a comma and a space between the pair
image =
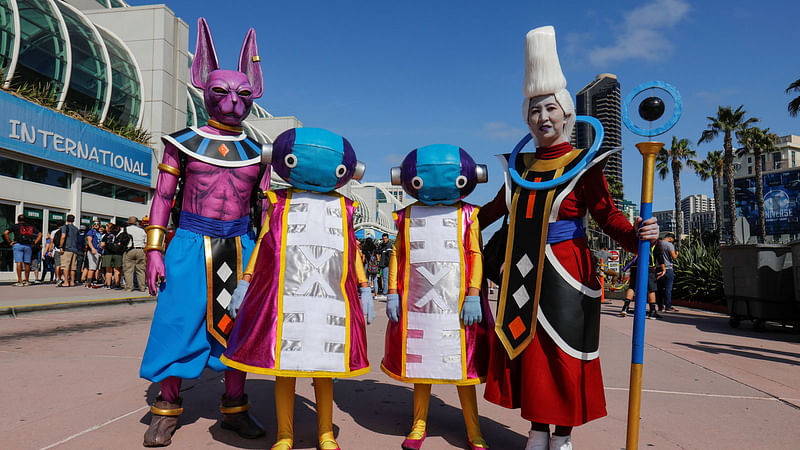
x: 651, y: 109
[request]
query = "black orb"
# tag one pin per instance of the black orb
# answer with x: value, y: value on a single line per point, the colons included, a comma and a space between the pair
x: 651, y: 108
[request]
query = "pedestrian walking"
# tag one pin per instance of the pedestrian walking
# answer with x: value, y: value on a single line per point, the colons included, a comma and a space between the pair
x: 134, y: 259
x: 666, y: 255
x: 55, y: 248
x: 25, y: 237
x: 69, y: 245
x: 384, y: 256
x: 652, y: 286
x: 112, y: 256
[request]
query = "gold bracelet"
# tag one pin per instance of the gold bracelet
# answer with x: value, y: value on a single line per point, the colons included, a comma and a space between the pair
x: 166, y: 412
x: 155, y: 237
x: 234, y: 409
x: 169, y: 169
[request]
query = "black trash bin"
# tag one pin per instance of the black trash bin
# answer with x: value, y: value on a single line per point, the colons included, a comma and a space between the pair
x: 759, y: 284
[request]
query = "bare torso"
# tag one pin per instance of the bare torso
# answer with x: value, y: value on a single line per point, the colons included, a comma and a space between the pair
x: 221, y: 193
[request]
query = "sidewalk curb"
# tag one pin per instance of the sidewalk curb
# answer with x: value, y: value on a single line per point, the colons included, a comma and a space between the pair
x: 13, y: 310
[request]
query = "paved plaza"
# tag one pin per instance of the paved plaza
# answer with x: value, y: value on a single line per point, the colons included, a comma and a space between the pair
x: 71, y: 382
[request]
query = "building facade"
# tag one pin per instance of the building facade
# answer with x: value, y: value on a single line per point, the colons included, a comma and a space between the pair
x: 692, y: 205
x: 666, y: 220
x: 81, y: 79
x: 601, y: 99
x: 787, y: 157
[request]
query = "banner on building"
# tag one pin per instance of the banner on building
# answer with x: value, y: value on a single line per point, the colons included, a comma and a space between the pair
x: 34, y: 130
x: 781, y: 202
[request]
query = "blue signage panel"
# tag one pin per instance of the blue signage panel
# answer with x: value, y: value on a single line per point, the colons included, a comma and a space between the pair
x: 781, y: 202
x: 38, y: 131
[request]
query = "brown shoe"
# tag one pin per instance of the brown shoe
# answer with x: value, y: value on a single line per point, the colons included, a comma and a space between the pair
x: 164, y: 422
x: 235, y: 417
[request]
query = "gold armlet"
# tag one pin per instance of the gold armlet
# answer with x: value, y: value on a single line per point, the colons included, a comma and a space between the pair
x: 166, y: 412
x: 234, y: 409
x: 169, y: 169
x: 155, y: 238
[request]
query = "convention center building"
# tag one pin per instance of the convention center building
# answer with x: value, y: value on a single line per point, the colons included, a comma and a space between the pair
x: 88, y: 89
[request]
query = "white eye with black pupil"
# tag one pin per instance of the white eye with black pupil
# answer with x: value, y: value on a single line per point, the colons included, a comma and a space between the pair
x: 340, y: 170
x: 461, y: 181
x: 290, y: 160
x: 416, y: 182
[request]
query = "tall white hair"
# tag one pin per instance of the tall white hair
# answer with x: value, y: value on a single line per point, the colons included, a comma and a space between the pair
x: 543, y: 76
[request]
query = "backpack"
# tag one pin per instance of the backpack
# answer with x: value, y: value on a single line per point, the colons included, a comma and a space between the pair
x: 57, y: 239
x: 372, y: 264
x: 122, y: 242
x: 26, y: 234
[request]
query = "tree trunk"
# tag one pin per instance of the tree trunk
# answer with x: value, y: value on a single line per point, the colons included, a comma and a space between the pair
x: 728, y: 168
x: 762, y: 226
x: 676, y: 185
x: 715, y: 181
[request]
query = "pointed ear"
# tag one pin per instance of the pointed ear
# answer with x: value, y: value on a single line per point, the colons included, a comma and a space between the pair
x: 250, y: 63
x: 205, y: 57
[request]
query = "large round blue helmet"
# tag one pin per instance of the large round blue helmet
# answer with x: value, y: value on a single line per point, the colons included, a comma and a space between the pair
x: 439, y: 174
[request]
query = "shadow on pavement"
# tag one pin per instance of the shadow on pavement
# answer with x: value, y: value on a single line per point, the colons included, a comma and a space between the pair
x: 201, y: 400
x: 388, y: 409
x: 744, y: 351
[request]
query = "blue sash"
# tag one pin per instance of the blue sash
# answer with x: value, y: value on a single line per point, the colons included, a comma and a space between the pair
x: 564, y: 230
x: 213, y: 227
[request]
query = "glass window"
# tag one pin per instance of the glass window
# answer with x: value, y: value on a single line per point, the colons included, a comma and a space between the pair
x: 793, y: 160
x: 103, y: 2
x: 189, y: 114
x: 7, y: 218
x: 749, y: 170
x: 10, y: 168
x: 88, y: 81
x: 130, y: 195
x: 86, y: 220
x: 126, y: 92
x: 42, y: 59
x: 199, y: 106
x: 776, y: 156
x: 6, y: 36
x: 97, y: 187
x: 763, y: 162
x: 117, y: 4
x: 51, y: 177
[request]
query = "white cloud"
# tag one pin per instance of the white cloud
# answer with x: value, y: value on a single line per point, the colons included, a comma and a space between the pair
x: 642, y: 33
x: 502, y: 131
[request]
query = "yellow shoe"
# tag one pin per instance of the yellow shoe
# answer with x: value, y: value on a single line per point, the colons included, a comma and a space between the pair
x: 329, y: 444
x: 478, y: 443
x: 282, y: 444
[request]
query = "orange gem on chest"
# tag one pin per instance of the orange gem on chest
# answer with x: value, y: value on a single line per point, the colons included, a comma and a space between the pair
x: 223, y: 149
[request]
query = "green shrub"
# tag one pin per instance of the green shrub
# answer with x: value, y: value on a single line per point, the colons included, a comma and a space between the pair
x: 698, y: 272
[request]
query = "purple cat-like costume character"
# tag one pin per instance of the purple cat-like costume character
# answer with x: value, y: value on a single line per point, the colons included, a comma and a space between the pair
x: 217, y: 173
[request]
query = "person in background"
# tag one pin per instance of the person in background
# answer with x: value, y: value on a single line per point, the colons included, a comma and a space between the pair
x: 25, y: 237
x: 93, y: 238
x: 112, y: 256
x: 133, y: 259
x: 666, y: 255
x: 55, y: 248
x: 384, y: 256
x: 652, y: 280
x: 69, y: 245
x: 80, y: 270
x: 36, y: 257
x: 47, y: 260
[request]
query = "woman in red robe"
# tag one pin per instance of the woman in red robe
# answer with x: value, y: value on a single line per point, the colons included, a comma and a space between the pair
x: 544, y: 354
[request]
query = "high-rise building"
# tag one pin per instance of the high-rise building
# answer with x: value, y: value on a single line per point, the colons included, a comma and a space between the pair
x: 693, y: 204
x: 601, y: 100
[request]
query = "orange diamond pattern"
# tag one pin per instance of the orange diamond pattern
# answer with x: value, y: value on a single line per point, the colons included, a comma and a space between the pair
x: 224, y: 150
x: 225, y: 324
x: 516, y: 327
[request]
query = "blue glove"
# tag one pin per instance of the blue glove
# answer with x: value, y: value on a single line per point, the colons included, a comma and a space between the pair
x: 367, y: 304
x: 238, y: 297
x: 471, y: 310
x: 393, y: 307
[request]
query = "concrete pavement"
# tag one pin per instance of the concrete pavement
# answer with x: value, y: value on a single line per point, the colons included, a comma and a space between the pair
x: 37, y: 297
x: 71, y: 382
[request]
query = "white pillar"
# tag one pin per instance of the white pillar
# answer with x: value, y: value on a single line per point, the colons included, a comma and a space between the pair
x: 75, y: 193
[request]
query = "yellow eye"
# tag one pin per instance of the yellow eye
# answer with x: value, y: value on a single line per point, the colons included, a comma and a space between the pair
x: 219, y: 90
x: 245, y: 93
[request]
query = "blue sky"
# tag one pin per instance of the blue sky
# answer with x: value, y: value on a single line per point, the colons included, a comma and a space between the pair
x: 393, y: 76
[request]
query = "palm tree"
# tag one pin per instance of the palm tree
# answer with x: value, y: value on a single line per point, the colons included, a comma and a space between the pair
x: 794, y: 105
x: 727, y: 122
x: 614, y: 187
x: 757, y: 142
x: 711, y: 167
x: 672, y: 159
